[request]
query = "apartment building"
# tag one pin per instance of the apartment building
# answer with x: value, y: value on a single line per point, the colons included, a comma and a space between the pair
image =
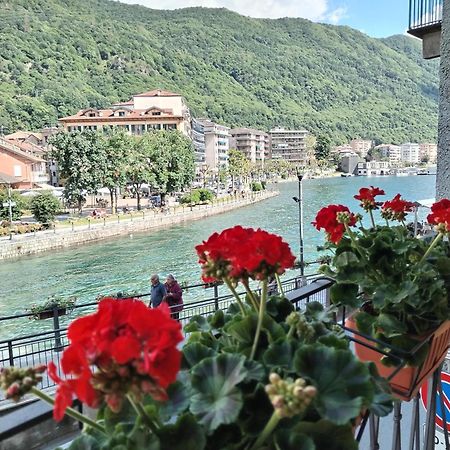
x: 254, y: 144
x: 372, y: 168
x: 290, y: 145
x: 153, y: 110
x: 361, y: 146
x: 391, y: 152
x: 198, y: 139
x: 428, y: 152
x: 27, y: 169
x: 217, y: 143
x: 410, y: 153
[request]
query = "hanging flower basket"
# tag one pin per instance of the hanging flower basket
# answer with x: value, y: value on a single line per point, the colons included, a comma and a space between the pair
x: 406, y: 383
x: 49, y: 314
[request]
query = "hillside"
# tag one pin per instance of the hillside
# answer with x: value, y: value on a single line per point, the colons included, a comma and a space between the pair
x: 58, y: 56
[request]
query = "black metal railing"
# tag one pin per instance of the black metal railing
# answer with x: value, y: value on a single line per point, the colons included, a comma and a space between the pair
x: 424, y: 14
x: 46, y: 346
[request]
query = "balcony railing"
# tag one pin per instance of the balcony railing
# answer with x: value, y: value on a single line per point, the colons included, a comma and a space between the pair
x: 424, y: 16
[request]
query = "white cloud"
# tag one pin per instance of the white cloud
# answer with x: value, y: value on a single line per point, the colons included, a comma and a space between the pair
x: 316, y: 10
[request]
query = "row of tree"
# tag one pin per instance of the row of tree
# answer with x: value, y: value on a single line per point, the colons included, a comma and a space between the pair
x: 90, y: 160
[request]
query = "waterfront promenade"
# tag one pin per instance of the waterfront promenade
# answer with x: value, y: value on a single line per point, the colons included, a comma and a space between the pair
x: 125, y: 224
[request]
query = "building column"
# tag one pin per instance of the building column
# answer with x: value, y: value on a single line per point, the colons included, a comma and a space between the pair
x: 443, y: 154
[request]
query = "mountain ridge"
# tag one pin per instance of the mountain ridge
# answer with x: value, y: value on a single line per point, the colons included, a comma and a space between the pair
x: 59, y: 56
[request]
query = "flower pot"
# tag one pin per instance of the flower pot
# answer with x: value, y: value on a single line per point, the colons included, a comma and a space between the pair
x: 406, y: 383
x: 49, y: 314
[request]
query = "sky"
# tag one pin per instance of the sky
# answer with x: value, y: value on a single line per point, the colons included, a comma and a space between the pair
x: 377, y: 18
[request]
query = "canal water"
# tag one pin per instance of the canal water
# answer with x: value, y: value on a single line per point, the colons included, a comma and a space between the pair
x: 125, y: 264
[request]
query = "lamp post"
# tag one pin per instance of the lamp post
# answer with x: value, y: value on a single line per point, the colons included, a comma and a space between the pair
x: 299, y: 201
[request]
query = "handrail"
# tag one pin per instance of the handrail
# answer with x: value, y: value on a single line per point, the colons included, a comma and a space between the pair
x: 424, y: 13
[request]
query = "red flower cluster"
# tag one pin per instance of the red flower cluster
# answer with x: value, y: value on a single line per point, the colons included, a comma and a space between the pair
x: 332, y: 219
x: 367, y: 197
x: 133, y: 347
x: 440, y: 215
x: 396, y: 209
x: 242, y: 253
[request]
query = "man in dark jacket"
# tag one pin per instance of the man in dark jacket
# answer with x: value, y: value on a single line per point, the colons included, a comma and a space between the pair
x: 157, y: 292
x: 174, y: 296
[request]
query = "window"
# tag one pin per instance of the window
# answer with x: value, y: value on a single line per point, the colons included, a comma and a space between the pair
x: 17, y: 171
x: 121, y: 113
x: 156, y: 113
x: 92, y: 114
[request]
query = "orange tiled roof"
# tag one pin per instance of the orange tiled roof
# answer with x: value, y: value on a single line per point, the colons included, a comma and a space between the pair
x: 10, y: 147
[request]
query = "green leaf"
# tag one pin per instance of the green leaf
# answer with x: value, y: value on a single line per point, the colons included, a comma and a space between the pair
x: 217, y: 320
x: 390, y: 325
x: 280, y: 355
x: 315, y: 311
x: 216, y: 398
x: 346, y: 259
x: 141, y: 438
x: 331, y: 340
x: 197, y: 323
x: 279, y: 308
x: 185, y: 434
x: 328, y: 436
x: 292, y: 440
x: 345, y: 294
x: 84, y: 442
x: 194, y: 353
x: 365, y: 322
x: 179, y: 397
x: 343, y: 383
x: 256, y: 412
x: 127, y: 415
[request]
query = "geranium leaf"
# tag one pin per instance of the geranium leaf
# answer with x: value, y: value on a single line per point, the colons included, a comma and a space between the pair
x: 390, y: 325
x: 256, y: 412
x: 279, y: 307
x: 127, y: 414
x: 185, y: 434
x: 197, y: 323
x: 280, y: 355
x: 194, y: 353
x: 345, y: 293
x: 327, y: 435
x: 346, y: 259
x: 84, y: 442
x: 179, y: 397
x: 365, y: 322
x: 255, y: 370
x: 343, y: 383
x: 216, y: 399
x: 292, y: 440
x: 217, y: 320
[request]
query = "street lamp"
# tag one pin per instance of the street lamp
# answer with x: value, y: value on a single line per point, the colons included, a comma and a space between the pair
x: 299, y: 201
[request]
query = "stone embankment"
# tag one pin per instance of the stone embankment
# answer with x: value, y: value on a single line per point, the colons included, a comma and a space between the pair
x: 23, y: 245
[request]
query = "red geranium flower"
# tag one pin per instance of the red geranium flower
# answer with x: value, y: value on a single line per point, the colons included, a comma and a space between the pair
x: 242, y: 253
x: 396, y: 208
x: 367, y: 197
x: 440, y: 215
x: 332, y: 219
x: 134, y: 348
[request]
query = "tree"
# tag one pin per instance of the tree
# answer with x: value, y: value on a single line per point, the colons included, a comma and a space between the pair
x: 310, y: 148
x: 117, y: 147
x: 81, y: 159
x: 44, y: 207
x: 238, y: 165
x: 21, y: 204
x: 323, y: 147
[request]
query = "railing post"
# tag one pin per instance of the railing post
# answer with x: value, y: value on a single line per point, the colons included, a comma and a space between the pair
x: 216, y: 296
x: 10, y: 353
x: 58, y: 343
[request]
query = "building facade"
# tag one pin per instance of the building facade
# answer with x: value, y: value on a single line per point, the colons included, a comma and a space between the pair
x: 289, y: 145
x: 349, y: 162
x: 410, y: 153
x: 27, y: 169
x: 391, y: 152
x: 198, y: 139
x: 372, y: 168
x: 217, y: 143
x: 153, y: 110
x: 428, y: 153
x: 361, y: 146
x: 254, y: 144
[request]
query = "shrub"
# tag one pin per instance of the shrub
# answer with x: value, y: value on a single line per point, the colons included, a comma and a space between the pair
x: 205, y: 195
x: 256, y: 186
x: 21, y: 203
x: 192, y: 198
x: 44, y: 207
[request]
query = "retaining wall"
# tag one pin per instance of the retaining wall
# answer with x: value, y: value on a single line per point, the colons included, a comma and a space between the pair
x: 62, y: 238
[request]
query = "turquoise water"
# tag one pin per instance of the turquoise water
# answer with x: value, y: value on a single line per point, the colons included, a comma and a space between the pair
x: 125, y: 263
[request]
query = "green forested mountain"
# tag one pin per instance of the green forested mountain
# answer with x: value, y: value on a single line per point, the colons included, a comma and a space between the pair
x: 58, y: 56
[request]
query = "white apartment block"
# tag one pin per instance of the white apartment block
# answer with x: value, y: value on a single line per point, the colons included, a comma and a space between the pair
x: 428, y: 152
x: 254, y: 144
x: 361, y: 146
x: 217, y: 143
x: 390, y: 151
x: 290, y: 145
x: 410, y: 153
x: 372, y: 168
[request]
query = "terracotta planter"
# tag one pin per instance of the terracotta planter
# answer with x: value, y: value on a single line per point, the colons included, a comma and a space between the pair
x: 406, y: 383
x: 49, y: 314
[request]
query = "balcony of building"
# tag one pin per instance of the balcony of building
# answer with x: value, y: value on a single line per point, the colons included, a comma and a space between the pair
x: 425, y: 19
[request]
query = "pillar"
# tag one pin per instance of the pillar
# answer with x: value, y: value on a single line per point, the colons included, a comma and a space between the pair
x: 443, y: 155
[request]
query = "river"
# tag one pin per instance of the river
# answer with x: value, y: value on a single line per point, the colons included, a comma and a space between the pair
x: 125, y: 263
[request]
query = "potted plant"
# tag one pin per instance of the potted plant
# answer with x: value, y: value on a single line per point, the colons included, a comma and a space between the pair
x: 46, y: 309
x: 257, y: 376
x: 397, y: 284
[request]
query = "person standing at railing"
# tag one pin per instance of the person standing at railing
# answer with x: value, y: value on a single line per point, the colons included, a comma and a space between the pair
x: 158, y: 291
x: 174, y: 296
